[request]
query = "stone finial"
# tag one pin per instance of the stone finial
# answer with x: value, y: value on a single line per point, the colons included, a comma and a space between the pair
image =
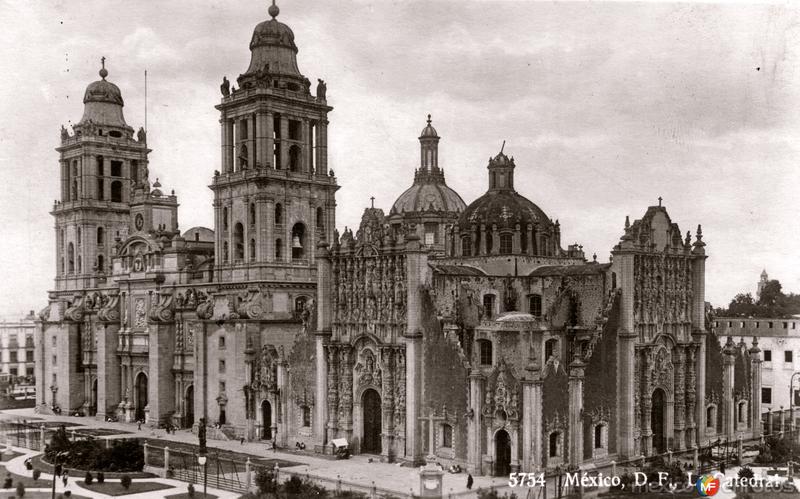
x: 627, y: 222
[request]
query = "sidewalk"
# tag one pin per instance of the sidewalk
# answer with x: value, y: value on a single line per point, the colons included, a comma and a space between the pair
x: 357, y: 469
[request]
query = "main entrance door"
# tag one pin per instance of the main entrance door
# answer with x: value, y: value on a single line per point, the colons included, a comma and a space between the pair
x: 266, y: 420
x: 189, y: 405
x: 371, y: 405
x: 502, y: 447
x: 141, y: 395
x: 657, y: 421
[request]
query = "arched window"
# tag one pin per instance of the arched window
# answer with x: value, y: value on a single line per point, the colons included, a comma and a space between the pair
x: 74, y: 190
x: 466, y: 246
x: 320, y: 219
x: 80, y: 262
x: 447, y: 435
x: 488, y: 306
x: 489, y: 242
x: 101, y: 186
x: 306, y: 416
x: 298, y: 241
x: 238, y: 241
x: 742, y: 412
x: 225, y: 251
x: 278, y: 249
x: 100, y: 166
x: 116, y: 191
x: 554, y: 444
x: 711, y: 416
x: 278, y: 214
x: 225, y: 218
x: 294, y: 159
x: 100, y: 236
x: 506, y: 243
x: 100, y: 263
x: 135, y: 171
x: 485, y: 352
x: 598, y: 436
x: 71, y: 257
x: 252, y: 219
x: 300, y: 305
x: 535, y: 305
x: 550, y: 348
x: 252, y: 250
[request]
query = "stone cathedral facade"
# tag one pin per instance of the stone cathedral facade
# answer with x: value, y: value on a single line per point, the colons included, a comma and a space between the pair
x: 442, y: 330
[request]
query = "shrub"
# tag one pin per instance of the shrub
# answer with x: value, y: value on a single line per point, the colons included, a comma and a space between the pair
x: 265, y: 481
x: 101, y: 477
x: 125, y: 455
x: 20, y: 489
x: 36, y: 474
x: 125, y: 481
x: 88, y: 479
x: 190, y: 490
x: 67, y: 493
x: 8, y: 482
x: 745, y: 472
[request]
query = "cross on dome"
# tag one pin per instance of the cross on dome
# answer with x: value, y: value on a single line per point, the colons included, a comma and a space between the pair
x: 103, y: 70
x: 273, y: 10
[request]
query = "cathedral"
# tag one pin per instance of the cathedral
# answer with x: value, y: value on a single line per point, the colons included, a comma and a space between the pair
x: 441, y: 330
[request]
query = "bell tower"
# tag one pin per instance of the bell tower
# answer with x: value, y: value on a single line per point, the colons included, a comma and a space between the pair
x: 274, y: 196
x: 100, y: 163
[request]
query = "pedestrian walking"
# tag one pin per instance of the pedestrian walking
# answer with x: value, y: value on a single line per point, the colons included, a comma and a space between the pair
x: 242, y: 441
x: 722, y: 466
x: 470, y: 481
x: 140, y: 424
x: 65, y: 477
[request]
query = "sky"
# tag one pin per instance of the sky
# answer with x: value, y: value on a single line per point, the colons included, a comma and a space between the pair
x: 604, y: 106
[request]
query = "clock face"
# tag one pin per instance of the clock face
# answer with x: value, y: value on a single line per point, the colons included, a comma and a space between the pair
x: 139, y: 221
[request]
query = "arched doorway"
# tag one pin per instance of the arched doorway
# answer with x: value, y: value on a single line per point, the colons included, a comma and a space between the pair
x: 141, y: 395
x: 502, y: 448
x: 371, y: 406
x: 266, y: 420
x: 188, y: 402
x: 657, y: 421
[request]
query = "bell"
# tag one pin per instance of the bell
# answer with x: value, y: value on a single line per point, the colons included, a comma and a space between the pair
x: 296, y: 242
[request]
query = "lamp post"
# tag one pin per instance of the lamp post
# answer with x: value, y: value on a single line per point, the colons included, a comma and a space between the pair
x: 202, y: 459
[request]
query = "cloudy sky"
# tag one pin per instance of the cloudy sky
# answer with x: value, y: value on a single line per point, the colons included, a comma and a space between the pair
x: 605, y: 107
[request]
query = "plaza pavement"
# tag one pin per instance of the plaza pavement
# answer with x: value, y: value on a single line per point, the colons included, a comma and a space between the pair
x: 357, y: 469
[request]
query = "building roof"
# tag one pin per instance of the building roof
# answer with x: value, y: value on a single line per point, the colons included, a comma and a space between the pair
x: 570, y: 270
x: 103, y: 102
x: 456, y: 270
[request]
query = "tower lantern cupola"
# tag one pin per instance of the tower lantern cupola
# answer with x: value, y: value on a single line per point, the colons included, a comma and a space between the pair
x: 501, y: 172
x: 429, y: 148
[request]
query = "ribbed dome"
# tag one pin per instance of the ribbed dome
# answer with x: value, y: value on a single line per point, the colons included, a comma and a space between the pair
x: 273, y: 47
x: 505, y: 208
x: 433, y: 197
x: 103, y: 102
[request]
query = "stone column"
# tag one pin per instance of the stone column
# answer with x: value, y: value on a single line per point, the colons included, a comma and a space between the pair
x: 284, y: 149
x: 576, y: 374
x: 108, y: 371
x: 322, y: 337
x: 700, y: 382
x: 474, y: 434
x: 262, y: 158
x: 679, y: 359
x: 227, y: 145
x: 484, y: 249
x: 517, y: 240
x: 531, y: 419
x: 282, y: 421
x: 305, y: 153
x: 250, y: 141
x: 495, y: 241
x: 755, y: 386
x: 416, y: 268
x: 322, y: 147
x: 728, y: 412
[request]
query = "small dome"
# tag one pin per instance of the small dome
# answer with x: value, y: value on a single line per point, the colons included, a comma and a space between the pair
x: 272, y: 47
x: 103, y: 102
x: 428, y: 131
x: 504, y: 208
x: 433, y: 197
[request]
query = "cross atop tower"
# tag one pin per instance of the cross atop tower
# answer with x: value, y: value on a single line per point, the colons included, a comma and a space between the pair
x: 659, y: 200
x: 372, y: 201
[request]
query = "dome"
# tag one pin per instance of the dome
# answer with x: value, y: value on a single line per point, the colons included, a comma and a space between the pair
x: 103, y: 102
x: 428, y: 131
x: 504, y: 208
x: 272, y: 47
x: 433, y: 197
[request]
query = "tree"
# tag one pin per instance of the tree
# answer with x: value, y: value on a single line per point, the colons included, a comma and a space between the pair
x: 771, y: 294
x: 125, y: 481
